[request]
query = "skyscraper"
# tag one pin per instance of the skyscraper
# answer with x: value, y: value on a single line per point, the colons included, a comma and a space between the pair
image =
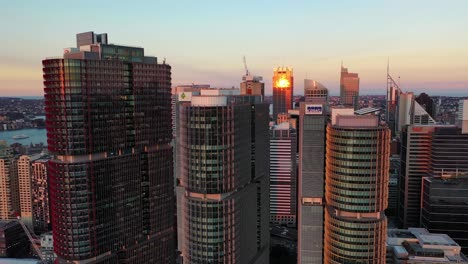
x: 9, y: 192
x: 24, y: 187
x: 283, y: 90
x: 223, y: 198
x: 349, y: 88
x: 311, y: 179
x: 108, y: 110
x: 415, y: 164
x: 357, y: 168
x: 283, y: 175
x: 40, y: 196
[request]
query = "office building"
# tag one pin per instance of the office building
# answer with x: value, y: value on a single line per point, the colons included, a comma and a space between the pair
x: 416, y: 143
x: 283, y: 90
x: 24, y: 187
x: 444, y: 206
x: 9, y: 192
x: 223, y: 191
x: 108, y: 110
x: 311, y: 179
x: 418, y: 246
x: 357, y: 168
x: 283, y: 175
x: 40, y: 196
x: 315, y: 91
x: 349, y: 88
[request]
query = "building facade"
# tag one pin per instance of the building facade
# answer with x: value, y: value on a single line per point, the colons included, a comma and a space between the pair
x: 9, y: 191
x: 416, y: 144
x: 349, y: 88
x: 252, y: 85
x: 283, y: 90
x: 108, y: 112
x: 24, y: 187
x: 283, y: 175
x: 222, y: 195
x: 356, y: 190
x: 315, y: 91
x: 311, y: 180
x: 40, y: 196
x: 444, y: 209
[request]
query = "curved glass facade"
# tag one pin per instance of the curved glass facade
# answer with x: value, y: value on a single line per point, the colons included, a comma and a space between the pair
x: 356, y: 192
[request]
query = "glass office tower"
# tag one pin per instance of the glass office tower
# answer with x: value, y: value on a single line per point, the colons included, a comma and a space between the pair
x: 108, y: 111
x: 222, y: 195
x: 356, y: 190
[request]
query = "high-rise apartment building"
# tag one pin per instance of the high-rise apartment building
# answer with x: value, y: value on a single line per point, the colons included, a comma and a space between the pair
x: 349, y: 88
x: 108, y: 110
x: 311, y: 179
x: 24, y: 187
x: 283, y: 90
x: 9, y: 192
x: 357, y: 168
x: 40, y: 196
x: 443, y: 206
x: 222, y: 196
x: 283, y: 175
x: 315, y: 91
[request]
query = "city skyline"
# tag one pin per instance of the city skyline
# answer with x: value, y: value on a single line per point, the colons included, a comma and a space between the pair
x: 424, y: 42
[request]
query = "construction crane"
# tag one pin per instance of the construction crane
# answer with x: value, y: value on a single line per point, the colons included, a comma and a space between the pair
x: 245, y: 67
x: 31, y: 239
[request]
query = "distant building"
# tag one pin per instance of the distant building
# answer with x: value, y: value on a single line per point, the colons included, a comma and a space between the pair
x: 356, y: 191
x: 283, y: 90
x: 14, y: 242
x: 252, y: 85
x: 444, y: 206
x: 426, y: 102
x: 40, y: 196
x: 462, y: 115
x: 315, y: 92
x: 417, y: 246
x: 283, y: 175
x: 395, y: 166
x: 223, y: 190
x: 349, y: 88
x: 9, y: 191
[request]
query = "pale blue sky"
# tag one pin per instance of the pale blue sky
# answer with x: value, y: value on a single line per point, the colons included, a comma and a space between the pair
x: 204, y: 41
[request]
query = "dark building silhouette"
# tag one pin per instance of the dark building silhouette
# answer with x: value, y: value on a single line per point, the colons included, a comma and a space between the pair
x: 108, y: 111
x: 444, y: 206
x: 427, y: 103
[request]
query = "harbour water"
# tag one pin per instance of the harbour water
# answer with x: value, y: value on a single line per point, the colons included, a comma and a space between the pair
x: 35, y: 136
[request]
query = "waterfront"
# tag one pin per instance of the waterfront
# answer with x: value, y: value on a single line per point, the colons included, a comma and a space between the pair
x: 35, y: 136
